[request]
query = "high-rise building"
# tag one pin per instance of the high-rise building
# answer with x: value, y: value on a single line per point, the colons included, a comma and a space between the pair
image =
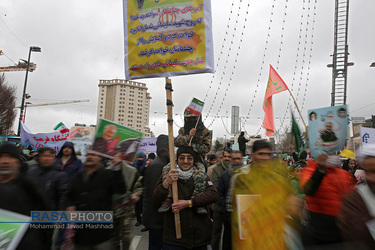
x: 126, y: 103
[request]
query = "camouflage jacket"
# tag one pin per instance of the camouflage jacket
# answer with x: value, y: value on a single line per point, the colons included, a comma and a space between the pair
x: 121, y: 205
x: 201, y: 148
x: 199, y: 176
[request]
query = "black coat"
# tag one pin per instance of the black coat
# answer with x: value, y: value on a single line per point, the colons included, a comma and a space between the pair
x: 94, y: 193
x: 22, y: 196
x: 53, y: 183
x: 242, y: 142
x: 195, y: 228
x: 151, y: 218
x: 222, y: 190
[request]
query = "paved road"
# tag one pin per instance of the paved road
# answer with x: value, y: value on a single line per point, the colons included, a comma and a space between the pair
x: 140, y: 239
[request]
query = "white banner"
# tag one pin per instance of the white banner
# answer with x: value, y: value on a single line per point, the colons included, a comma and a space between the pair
x: 148, y: 145
x: 54, y: 140
x: 367, y: 135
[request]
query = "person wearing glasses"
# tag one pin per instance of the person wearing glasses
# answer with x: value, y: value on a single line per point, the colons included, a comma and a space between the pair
x: 236, y: 162
x: 195, y: 190
x: 199, y: 182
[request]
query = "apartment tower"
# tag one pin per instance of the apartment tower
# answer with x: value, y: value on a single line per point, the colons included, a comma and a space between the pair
x: 126, y: 103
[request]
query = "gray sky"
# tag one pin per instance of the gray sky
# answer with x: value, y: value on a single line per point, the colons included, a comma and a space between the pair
x: 82, y: 42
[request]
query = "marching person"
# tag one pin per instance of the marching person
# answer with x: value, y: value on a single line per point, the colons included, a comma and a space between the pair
x: 21, y: 195
x: 217, y: 217
x: 123, y: 204
x: 53, y: 183
x: 140, y: 165
x: 69, y: 163
x: 325, y: 184
x: 54, y: 186
x: 195, y: 228
x: 92, y: 190
x: 358, y: 209
x: 151, y: 218
x: 236, y: 162
x: 258, y: 201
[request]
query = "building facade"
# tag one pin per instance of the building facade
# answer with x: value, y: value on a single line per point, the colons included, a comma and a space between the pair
x: 126, y: 103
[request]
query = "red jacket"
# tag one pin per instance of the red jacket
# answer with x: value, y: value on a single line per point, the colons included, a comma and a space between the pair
x: 327, y: 199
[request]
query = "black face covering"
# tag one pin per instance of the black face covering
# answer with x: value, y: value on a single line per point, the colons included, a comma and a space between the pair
x: 191, y: 124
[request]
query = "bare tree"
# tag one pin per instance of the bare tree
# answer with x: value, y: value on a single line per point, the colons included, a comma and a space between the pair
x: 7, y: 105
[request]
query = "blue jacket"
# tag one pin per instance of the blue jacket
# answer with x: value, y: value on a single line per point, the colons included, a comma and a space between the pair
x: 72, y: 166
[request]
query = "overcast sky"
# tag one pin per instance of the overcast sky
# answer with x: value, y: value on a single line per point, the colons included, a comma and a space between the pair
x: 83, y: 42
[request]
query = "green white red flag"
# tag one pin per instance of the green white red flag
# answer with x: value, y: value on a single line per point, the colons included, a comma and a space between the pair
x: 195, y: 107
x: 61, y: 127
x: 275, y: 85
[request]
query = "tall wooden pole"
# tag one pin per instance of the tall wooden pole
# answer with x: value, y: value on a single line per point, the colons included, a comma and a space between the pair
x: 168, y: 88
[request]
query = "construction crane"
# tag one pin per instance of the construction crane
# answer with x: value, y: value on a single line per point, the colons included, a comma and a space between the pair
x: 29, y: 105
x: 54, y: 103
x: 21, y: 66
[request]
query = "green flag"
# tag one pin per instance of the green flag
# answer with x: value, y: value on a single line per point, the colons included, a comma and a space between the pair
x: 298, y: 136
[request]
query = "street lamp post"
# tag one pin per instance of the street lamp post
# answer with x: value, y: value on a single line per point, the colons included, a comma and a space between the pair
x: 24, y: 117
x: 32, y: 49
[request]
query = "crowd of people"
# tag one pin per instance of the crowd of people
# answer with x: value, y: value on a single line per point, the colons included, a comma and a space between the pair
x: 222, y: 202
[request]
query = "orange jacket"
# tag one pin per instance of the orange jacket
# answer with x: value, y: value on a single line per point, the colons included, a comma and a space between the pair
x: 327, y: 199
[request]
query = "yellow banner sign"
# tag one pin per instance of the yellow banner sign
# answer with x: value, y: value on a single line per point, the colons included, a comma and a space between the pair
x: 167, y: 38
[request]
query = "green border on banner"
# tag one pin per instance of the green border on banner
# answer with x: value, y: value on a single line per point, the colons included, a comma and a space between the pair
x: 124, y: 140
x: 12, y: 228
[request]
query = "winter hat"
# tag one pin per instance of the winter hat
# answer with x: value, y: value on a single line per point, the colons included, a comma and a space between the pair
x: 187, y: 150
x: 141, y: 154
x: 151, y: 156
x: 161, y: 143
x: 11, y: 149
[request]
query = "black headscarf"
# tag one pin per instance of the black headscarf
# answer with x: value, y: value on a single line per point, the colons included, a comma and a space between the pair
x: 188, y: 125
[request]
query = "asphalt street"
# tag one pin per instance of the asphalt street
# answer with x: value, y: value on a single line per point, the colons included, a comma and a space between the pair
x: 140, y: 239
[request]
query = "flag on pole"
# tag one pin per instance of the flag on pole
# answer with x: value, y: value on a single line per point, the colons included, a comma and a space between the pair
x: 275, y: 85
x: 298, y: 136
x: 61, y: 127
x: 195, y: 107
